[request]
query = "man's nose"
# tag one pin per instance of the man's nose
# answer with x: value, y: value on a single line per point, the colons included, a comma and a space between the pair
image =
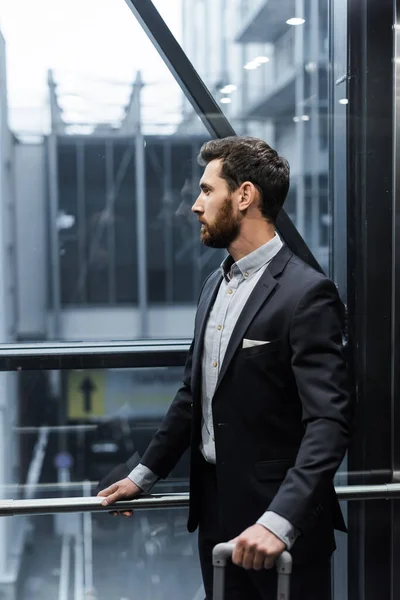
x: 197, y: 208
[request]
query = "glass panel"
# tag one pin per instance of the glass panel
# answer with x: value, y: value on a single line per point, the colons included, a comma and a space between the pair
x: 94, y: 419
x: 63, y: 431
x: 272, y: 79
x: 151, y: 557
x: 103, y: 171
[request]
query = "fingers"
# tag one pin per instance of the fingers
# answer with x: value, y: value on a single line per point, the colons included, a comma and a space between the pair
x: 251, y: 556
x: 248, y: 559
x: 124, y: 513
x: 257, y: 548
x: 269, y: 563
x: 110, y: 490
x: 259, y: 561
x: 121, y: 490
x: 113, y: 497
x: 237, y: 556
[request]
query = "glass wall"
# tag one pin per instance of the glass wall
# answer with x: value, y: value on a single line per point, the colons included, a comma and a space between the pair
x: 104, y: 145
x: 98, y: 172
x: 74, y: 427
x: 267, y: 64
x: 104, y: 173
x: 98, y: 196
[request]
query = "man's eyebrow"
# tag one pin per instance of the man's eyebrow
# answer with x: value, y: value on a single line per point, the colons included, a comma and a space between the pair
x: 205, y: 186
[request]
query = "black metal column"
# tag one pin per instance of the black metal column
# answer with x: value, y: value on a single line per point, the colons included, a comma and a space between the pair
x: 396, y: 306
x: 369, y: 244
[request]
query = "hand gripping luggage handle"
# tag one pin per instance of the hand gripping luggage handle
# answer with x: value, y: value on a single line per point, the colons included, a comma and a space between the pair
x: 223, y: 552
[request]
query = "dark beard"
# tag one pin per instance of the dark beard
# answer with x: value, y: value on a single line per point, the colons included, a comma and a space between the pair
x: 224, y: 230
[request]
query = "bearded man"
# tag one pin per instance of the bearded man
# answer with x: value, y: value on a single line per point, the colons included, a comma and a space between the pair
x: 264, y: 405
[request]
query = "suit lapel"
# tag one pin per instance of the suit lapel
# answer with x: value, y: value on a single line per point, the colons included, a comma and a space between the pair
x: 206, y: 302
x: 260, y: 294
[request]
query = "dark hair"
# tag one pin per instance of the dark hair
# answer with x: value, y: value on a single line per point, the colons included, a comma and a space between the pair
x: 251, y: 159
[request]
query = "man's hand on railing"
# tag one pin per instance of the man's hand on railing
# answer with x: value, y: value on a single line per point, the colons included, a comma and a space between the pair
x: 118, y: 472
x: 124, y: 489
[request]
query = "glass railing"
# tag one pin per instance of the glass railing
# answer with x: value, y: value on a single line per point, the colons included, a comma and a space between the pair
x: 81, y: 556
x: 87, y: 553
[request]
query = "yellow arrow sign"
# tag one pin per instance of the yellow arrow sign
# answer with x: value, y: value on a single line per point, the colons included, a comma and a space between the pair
x: 85, y: 394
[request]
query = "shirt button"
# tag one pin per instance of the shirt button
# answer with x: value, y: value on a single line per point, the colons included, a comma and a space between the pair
x: 246, y: 274
x: 219, y: 327
x: 215, y: 364
x: 229, y: 291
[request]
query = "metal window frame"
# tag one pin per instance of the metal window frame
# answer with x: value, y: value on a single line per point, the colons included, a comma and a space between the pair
x: 369, y: 290
x: 395, y: 301
x: 97, y: 355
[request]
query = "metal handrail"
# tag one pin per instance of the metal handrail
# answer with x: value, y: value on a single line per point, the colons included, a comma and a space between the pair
x: 43, y: 506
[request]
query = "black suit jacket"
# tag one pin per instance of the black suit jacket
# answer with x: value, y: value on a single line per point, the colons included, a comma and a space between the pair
x: 281, y: 410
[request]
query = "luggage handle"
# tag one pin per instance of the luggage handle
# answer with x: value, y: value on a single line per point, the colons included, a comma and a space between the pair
x: 223, y: 552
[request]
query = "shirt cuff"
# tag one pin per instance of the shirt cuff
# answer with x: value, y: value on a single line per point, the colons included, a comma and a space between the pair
x: 280, y: 527
x: 143, y: 477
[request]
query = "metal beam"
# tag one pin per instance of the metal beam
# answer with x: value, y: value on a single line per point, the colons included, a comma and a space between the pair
x: 204, y: 103
x: 103, y: 355
x: 181, y: 68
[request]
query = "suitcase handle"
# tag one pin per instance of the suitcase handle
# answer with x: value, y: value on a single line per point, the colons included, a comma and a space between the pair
x: 223, y: 552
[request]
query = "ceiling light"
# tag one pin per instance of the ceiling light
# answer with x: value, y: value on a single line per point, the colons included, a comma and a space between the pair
x: 295, y: 21
x: 311, y: 67
x: 227, y: 89
x: 296, y: 119
x: 343, y: 101
x: 226, y: 100
x: 305, y: 118
x: 252, y: 65
x: 256, y: 62
x: 64, y: 220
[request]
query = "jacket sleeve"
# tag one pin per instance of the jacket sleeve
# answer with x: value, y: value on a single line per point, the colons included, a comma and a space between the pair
x: 173, y: 437
x: 320, y: 372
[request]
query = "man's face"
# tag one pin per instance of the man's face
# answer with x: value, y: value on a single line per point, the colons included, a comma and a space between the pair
x: 216, y: 210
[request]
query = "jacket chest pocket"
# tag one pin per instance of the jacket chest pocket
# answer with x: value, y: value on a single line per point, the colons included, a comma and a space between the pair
x: 270, y: 348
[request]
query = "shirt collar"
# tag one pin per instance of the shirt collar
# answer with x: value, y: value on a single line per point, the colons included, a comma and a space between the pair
x: 251, y: 263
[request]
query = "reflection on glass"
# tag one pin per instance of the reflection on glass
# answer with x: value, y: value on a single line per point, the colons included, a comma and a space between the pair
x: 103, y: 168
x: 267, y: 66
x: 75, y: 426
x: 98, y: 557
x: 64, y: 431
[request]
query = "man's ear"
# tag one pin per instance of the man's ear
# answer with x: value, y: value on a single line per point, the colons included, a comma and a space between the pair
x: 248, y: 195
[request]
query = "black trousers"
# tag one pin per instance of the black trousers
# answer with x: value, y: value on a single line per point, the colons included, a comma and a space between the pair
x: 308, y: 581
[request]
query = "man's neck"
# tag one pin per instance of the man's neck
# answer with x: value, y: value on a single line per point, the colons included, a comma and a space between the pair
x: 249, y: 241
